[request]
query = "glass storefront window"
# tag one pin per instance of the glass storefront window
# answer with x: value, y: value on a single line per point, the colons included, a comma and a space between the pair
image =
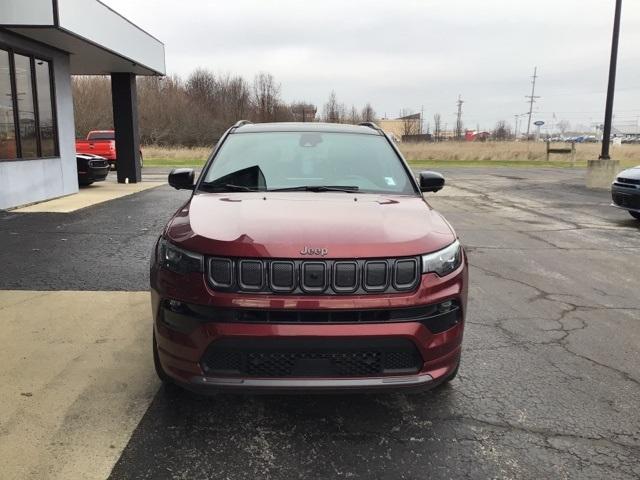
x: 8, y: 148
x: 45, y: 109
x: 26, y: 110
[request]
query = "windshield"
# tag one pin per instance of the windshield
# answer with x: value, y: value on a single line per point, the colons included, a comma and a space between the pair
x: 307, y: 161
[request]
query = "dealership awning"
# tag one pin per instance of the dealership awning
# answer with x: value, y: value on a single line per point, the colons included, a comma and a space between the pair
x: 98, y: 39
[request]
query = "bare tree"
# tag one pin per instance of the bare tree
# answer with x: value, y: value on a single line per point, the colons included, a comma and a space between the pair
x: 331, y: 111
x: 201, y: 87
x: 410, y: 122
x: 92, y: 104
x: 437, y: 122
x: 235, y: 99
x: 354, y: 116
x: 170, y: 116
x: 197, y: 111
x: 266, y: 97
x: 502, y: 131
x: 368, y: 114
x: 283, y: 113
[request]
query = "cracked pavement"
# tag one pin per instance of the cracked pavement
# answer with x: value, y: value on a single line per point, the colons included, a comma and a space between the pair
x: 549, y: 386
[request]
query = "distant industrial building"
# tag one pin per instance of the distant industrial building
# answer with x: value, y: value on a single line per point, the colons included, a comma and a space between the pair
x: 304, y: 112
x: 408, y: 125
x: 626, y: 130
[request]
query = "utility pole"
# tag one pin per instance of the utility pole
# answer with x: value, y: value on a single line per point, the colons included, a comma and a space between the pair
x: 608, y: 114
x: 459, y: 118
x: 515, y: 134
x: 532, y: 99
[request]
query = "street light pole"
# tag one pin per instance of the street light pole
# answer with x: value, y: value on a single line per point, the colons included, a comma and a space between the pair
x: 608, y: 114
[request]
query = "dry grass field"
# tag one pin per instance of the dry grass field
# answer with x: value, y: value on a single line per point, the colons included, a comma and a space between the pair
x: 529, y: 153
x: 161, y: 156
x: 462, y: 154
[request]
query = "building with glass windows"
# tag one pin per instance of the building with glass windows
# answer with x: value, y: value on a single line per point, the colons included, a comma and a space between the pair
x: 43, y: 43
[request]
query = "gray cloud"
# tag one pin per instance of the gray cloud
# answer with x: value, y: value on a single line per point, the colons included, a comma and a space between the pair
x: 410, y: 53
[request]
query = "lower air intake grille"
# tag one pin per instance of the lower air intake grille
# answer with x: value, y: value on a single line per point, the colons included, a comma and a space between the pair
x: 295, y: 358
x: 627, y: 201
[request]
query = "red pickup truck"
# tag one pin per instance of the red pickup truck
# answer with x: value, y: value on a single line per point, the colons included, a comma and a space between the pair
x: 102, y: 143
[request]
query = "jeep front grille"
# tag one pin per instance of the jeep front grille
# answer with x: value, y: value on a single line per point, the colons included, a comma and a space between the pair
x: 319, y: 277
x: 628, y: 181
x: 311, y: 358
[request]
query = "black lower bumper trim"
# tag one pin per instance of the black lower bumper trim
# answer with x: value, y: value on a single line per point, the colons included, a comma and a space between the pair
x: 184, y: 317
x: 627, y: 198
x: 325, y: 358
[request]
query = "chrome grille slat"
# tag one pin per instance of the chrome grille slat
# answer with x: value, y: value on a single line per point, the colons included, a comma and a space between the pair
x: 315, y: 276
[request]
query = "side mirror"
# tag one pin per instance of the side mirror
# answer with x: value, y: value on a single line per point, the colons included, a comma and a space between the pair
x: 431, y: 182
x: 182, y: 178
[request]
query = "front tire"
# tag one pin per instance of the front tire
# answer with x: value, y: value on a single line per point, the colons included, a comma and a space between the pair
x: 635, y: 215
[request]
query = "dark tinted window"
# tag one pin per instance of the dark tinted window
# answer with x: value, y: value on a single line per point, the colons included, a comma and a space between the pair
x: 274, y: 160
x: 7, y: 126
x: 26, y: 110
x: 48, y: 141
x: 26, y: 102
x: 101, y: 136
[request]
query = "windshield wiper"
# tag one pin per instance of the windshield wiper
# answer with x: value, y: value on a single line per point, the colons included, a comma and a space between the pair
x: 228, y: 187
x: 317, y: 188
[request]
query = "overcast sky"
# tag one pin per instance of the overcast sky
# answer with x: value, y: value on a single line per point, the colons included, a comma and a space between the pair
x: 405, y: 54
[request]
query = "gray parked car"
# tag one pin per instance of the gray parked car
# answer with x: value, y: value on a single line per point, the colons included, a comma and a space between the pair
x: 625, y: 191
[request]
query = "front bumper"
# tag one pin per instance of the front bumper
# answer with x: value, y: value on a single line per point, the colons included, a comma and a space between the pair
x: 626, y: 197
x: 320, y: 385
x: 182, y: 345
x: 93, y: 174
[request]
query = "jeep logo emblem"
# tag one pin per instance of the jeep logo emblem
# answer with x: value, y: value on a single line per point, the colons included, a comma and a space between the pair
x: 314, y: 251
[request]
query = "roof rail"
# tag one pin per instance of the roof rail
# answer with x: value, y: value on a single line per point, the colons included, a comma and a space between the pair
x: 370, y: 125
x: 240, y: 123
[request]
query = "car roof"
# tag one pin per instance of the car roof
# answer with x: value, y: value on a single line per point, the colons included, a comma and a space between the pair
x: 305, y: 127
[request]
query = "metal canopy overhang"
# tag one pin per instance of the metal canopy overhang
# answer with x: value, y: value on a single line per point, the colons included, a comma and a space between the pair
x: 99, y: 40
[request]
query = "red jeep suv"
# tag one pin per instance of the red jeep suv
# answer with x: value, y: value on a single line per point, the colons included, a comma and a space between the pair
x: 307, y: 259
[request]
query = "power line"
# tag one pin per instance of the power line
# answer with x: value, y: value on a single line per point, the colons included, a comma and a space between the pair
x: 532, y: 98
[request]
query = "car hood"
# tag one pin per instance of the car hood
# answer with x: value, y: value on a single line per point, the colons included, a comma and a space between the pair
x: 282, y: 224
x: 631, y: 173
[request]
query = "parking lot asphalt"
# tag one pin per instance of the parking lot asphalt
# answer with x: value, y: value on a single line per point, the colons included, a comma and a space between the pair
x: 549, y: 385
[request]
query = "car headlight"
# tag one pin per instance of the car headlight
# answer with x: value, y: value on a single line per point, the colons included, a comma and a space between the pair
x: 444, y: 261
x: 178, y: 260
